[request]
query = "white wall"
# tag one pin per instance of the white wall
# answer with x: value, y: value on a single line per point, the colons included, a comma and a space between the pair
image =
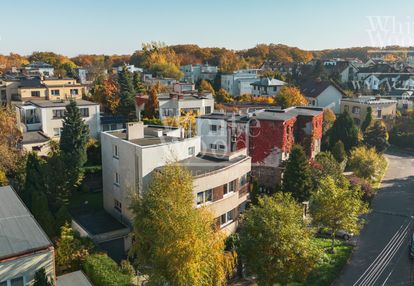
x: 331, y: 98
x: 208, y: 137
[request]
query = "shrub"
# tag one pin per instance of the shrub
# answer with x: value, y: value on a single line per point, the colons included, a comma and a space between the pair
x: 364, y: 186
x: 103, y: 271
x: 367, y: 163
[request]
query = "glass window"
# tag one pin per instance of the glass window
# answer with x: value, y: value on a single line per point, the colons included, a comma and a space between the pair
x: 200, y: 198
x: 116, y: 151
x: 58, y: 113
x: 56, y: 131
x: 84, y: 112
x: 35, y: 93
x: 232, y: 186
x: 118, y: 205
x: 225, y: 189
x: 208, y: 109
x: 55, y: 92
x: 379, y: 111
x: 4, y: 283
x: 191, y: 151
x: 223, y: 219
x: 213, y: 146
x: 243, y: 180
x: 116, y: 179
x: 17, y: 282
x: 230, y: 216
x: 222, y: 147
x: 74, y: 91
x: 209, y: 195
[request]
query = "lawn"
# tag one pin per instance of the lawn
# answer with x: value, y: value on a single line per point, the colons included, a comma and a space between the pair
x: 95, y: 200
x: 331, y: 265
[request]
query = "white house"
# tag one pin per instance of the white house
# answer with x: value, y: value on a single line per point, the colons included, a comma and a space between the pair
x: 323, y: 93
x: 267, y: 87
x: 239, y: 82
x: 194, y: 73
x: 38, y: 68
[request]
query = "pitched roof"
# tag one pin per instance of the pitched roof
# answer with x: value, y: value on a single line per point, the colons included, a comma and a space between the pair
x: 313, y: 88
x: 268, y: 82
x: 19, y: 231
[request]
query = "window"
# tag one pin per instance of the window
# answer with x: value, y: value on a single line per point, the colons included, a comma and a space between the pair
x: 225, y: 189
x: 213, y: 146
x: 203, y: 197
x: 356, y: 110
x: 191, y: 151
x: 116, y: 155
x: 227, y: 217
x: 35, y: 93
x: 116, y: 179
x: 55, y: 92
x: 58, y: 113
x: 74, y: 92
x: 379, y: 112
x: 57, y: 131
x: 4, y: 283
x: 232, y: 186
x: 222, y: 147
x: 118, y: 205
x: 215, y: 128
x: 168, y: 112
x: 207, y: 110
x: 84, y: 111
x: 243, y: 180
x: 17, y: 282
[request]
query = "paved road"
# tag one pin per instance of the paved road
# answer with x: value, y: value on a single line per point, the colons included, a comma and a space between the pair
x: 381, y: 256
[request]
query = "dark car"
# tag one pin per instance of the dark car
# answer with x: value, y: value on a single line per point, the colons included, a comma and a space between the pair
x: 339, y: 234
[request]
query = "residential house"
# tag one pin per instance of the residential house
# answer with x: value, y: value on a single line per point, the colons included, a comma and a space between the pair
x: 323, y: 93
x: 267, y: 87
x: 384, y: 109
x: 239, y: 82
x: 130, y: 68
x: 195, y: 73
x: 404, y: 98
x: 344, y: 71
x: 131, y: 156
x: 38, y: 69
x: 24, y: 247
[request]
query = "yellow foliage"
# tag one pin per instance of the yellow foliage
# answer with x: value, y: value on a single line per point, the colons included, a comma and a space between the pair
x: 187, y: 121
x: 290, y: 96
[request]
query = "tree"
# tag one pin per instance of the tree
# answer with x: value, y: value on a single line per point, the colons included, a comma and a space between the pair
x: 367, y: 164
x: 34, y: 182
x: 41, y: 212
x: 328, y: 120
x: 206, y: 86
x: 337, y: 208
x: 319, y: 71
x: 290, y: 96
x: 73, y: 141
x: 152, y: 105
x: 297, y: 178
x: 62, y: 217
x: 176, y: 243
x: 126, y: 93
x: 3, y: 179
x: 326, y: 165
x: 368, y: 119
x: 69, y: 250
x: 10, y: 136
x: 338, y: 151
x: 106, y: 93
x: 275, y: 243
x: 377, y: 136
x: 344, y: 130
x: 161, y: 60
x: 222, y: 96
x: 41, y: 279
x: 138, y: 84
x: 188, y: 122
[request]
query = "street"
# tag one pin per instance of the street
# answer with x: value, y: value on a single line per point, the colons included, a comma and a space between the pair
x: 381, y: 255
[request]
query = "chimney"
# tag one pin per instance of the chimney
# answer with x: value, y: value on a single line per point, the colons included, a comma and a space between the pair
x: 135, y: 130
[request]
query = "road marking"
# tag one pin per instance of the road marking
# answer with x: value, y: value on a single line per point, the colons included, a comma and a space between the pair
x: 377, y: 267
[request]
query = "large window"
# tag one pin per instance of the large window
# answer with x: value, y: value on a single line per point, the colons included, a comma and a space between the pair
x: 118, y: 205
x: 55, y: 92
x: 58, y: 113
x: 84, y: 111
x: 208, y: 109
x: 74, y: 91
x: 17, y: 282
x: 35, y: 93
x: 227, y: 217
x: 204, y: 197
x: 233, y: 186
x: 243, y: 180
x: 356, y: 110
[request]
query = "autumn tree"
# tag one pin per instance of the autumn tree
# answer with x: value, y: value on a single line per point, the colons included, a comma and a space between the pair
x: 275, y: 243
x: 367, y: 163
x: 345, y: 130
x: 206, y: 86
x: 337, y: 208
x: 328, y: 119
x: 377, y: 136
x: 222, y: 96
x: 187, y: 121
x: 297, y: 177
x: 325, y: 165
x: 161, y: 60
x: 10, y: 136
x: 175, y: 242
x: 106, y: 93
x: 152, y: 105
x: 290, y: 96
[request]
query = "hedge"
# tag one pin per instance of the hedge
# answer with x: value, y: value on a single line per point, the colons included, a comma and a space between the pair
x: 402, y: 139
x: 104, y: 271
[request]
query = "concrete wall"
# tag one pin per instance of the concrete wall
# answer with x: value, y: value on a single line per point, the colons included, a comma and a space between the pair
x: 27, y: 266
x: 330, y: 97
x: 209, y: 137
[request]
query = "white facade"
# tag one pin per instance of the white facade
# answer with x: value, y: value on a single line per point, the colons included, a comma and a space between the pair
x: 174, y: 107
x: 267, y: 87
x: 213, y: 133
x: 194, y: 73
x: 330, y: 97
x: 239, y: 82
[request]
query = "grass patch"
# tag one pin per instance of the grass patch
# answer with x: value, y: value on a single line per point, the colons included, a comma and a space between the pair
x: 78, y: 199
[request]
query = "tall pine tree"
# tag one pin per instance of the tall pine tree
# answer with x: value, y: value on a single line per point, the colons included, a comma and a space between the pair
x: 368, y: 119
x: 126, y: 93
x: 345, y: 130
x: 41, y: 212
x: 297, y: 178
x: 34, y: 179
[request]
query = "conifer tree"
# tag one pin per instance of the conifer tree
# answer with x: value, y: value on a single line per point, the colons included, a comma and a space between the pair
x: 368, y: 119
x: 338, y: 151
x: 345, y: 130
x: 41, y: 279
x: 297, y: 178
x: 126, y: 93
x: 377, y: 136
x: 41, y: 212
x: 34, y: 179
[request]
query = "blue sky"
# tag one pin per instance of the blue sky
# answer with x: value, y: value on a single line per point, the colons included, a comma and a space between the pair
x: 121, y: 26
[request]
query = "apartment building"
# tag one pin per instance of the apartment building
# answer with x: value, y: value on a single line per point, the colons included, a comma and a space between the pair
x: 24, y: 247
x: 384, y: 109
x: 34, y: 88
x: 129, y: 157
x: 194, y: 73
x: 267, y: 87
x: 239, y: 82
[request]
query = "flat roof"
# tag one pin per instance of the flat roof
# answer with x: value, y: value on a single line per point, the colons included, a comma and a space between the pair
x: 60, y: 103
x: 34, y: 137
x: 19, y: 231
x: 202, y: 165
x: 148, y: 140
x: 77, y: 278
x: 97, y: 222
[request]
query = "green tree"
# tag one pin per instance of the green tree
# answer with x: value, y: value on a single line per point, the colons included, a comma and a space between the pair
x: 338, y: 151
x: 255, y: 192
x: 275, y: 243
x: 138, y: 84
x: 126, y: 93
x: 344, y: 130
x: 41, y: 279
x: 34, y: 182
x: 3, y: 179
x: 175, y: 242
x: 367, y: 163
x: 40, y: 210
x: 337, y: 208
x: 319, y: 71
x: 297, y: 178
x: 326, y: 165
x: 73, y: 142
x: 62, y: 217
x: 377, y: 136
x: 368, y: 119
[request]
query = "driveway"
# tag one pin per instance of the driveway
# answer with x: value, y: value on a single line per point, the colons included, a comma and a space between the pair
x: 381, y: 255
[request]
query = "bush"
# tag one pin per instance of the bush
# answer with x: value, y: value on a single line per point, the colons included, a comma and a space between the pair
x: 152, y: 121
x: 402, y: 139
x: 103, y: 271
x: 364, y: 186
x: 367, y: 163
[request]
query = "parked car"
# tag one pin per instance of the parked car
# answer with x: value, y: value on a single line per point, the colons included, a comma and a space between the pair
x: 411, y: 246
x: 340, y: 233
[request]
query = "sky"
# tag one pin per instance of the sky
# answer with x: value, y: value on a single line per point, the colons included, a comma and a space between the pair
x: 121, y: 26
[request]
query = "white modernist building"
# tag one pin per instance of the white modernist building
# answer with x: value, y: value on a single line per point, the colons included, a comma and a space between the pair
x: 239, y: 82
